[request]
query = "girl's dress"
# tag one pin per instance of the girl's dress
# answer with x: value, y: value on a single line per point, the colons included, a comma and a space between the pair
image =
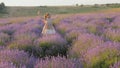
x: 48, y: 27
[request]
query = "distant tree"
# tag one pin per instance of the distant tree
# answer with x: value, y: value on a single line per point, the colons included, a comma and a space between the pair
x: 82, y: 5
x: 2, y: 7
x: 107, y: 5
x: 77, y: 5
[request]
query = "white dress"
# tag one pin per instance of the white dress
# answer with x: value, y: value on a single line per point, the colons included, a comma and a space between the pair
x: 48, y: 27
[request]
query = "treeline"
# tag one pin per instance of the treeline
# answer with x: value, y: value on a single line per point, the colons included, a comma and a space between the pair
x: 112, y: 5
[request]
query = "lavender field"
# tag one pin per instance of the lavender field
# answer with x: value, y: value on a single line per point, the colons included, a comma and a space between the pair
x: 82, y: 41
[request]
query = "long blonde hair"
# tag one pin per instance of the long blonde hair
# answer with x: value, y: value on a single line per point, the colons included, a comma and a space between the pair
x: 47, y: 15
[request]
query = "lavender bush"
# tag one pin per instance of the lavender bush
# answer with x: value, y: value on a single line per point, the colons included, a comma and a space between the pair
x: 10, y: 28
x: 7, y: 65
x: 26, y: 45
x: 73, y: 34
x: 86, y: 41
x: 58, y: 62
x: 115, y: 24
x: 16, y: 57
x: 116, y: 65
x: 4, y: 38
x: 102, y: 56
x: 52, y: 45
x: 113, y: 34
x: 83, y: 43
x: 96, y: 25
x: 22, y: 36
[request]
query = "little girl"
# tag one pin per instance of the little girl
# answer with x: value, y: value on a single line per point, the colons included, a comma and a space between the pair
x: 48, y: 27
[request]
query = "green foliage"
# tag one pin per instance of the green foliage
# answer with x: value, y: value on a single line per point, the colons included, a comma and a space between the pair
x: 102, y: 58
x: 71, y: 36
x: 104, y: 61
x: 110, y: 19
x: 28, y: 47
x: 2, y: 7
x: 116, y: 5
x: 116, y: 39
x: 52, y: 46
x: 32, y: 11
x: 1, y: 43
x: 93, y: 29
x: 62, y: 31
x: 51, y: 49
x: 110, y: 33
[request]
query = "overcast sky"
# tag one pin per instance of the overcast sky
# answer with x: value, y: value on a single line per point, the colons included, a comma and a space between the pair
x: 54, y: 2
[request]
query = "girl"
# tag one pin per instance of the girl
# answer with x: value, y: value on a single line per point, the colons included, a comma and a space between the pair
x: 48, y: 27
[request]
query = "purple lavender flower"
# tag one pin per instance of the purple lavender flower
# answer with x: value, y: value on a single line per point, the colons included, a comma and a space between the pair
x: 115, y: 24
x: 52, y: 45
x: 58, y: 62
x: 27, y: 45
x: 20, y: 44
x: 16, y: 57
x: 55, y: 39
x: 83, y: 43
x: 113, y: 34
x: 7, y: 65
x: 107, y: 53
x: 21, y: 36
x: 10, y: 28
x: 73, y: 34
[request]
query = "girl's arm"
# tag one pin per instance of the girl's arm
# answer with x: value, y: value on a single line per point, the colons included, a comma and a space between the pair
x: 44, y: 21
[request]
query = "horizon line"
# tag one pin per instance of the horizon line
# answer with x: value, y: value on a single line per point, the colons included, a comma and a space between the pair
x: 54, y: 5
x: 62, y: 4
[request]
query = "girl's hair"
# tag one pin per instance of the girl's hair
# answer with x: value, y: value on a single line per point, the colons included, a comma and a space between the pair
x: 47, y: 15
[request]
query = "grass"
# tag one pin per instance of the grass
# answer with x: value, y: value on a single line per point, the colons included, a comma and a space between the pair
x: 32, y: 11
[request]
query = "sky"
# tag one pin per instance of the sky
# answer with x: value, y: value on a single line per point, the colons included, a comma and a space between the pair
x: 55, y: 2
